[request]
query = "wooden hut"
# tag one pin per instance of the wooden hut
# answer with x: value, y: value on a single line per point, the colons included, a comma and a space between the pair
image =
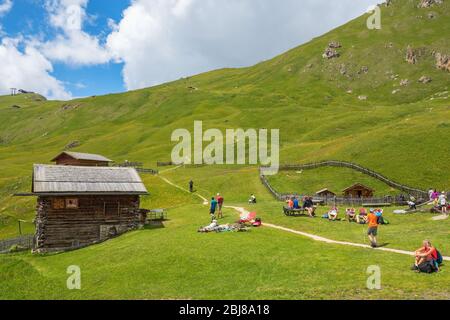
x: 67, y: 158
x: 82, y: 205
x: 325, y: 193
x: 358, y: 190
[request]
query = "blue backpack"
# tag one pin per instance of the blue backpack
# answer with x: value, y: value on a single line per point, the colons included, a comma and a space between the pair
x: 439, y: 259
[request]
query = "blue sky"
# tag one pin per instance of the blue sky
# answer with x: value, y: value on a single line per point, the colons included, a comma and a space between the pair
x: 77, y: 48
x: 26, y: 18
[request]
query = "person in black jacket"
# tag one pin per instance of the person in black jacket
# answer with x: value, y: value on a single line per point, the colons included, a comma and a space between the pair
x: 308, y: 205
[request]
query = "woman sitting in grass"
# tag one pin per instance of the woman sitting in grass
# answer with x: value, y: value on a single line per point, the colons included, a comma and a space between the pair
x: 351, y: 214
x: 361, y: 218
x: 333, y: 214
x: 426, y: 254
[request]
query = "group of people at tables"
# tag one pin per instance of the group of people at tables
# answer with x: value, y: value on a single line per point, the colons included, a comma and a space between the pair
x: 351, y: 214
x: 308, y: 205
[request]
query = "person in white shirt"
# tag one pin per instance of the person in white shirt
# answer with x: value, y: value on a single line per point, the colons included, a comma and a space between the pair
x: 443, y: 202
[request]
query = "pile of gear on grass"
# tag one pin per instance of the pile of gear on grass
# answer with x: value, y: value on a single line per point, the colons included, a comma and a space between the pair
x: 246, y: 222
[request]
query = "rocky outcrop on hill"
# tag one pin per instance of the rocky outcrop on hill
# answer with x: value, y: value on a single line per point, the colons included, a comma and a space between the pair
x: 404, y: 82
x: 425, y: 80
x: 331, y: 52
x: 442, y: 61
x: 411, y: 55
x: 429, y: 3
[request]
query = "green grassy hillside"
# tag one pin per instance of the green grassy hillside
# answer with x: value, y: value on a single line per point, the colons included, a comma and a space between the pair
x: 404, y: 136
x: 315, y: 102
x: 335, y: 179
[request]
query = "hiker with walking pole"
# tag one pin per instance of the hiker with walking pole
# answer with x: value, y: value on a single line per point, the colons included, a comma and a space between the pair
x: 191, y: 186
x: 373, y: 228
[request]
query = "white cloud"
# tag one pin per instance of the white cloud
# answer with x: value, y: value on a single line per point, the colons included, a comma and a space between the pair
x: 5, y: 6
x: 72, y: 45
x: 28, y: 70
x: 162, y: 40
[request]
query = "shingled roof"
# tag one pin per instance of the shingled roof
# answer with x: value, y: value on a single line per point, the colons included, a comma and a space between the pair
x: 84, y: 156
x: 51, y: 180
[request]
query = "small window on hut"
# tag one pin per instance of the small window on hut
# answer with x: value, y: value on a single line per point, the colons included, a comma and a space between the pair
x: 58, y: 204
x: 72, y: 203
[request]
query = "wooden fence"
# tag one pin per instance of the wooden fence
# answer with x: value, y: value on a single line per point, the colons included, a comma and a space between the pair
x: 139, y: 166
x: 148, y: 171
x: 25, y: 242
x: 128, y: 164
x: 421, y: 195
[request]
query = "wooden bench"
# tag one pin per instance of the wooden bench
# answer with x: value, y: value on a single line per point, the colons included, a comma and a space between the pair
x: 376, y: 205
x: 294, y: 212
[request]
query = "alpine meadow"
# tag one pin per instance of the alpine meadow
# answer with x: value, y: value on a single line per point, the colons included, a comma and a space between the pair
x: 373, y: 98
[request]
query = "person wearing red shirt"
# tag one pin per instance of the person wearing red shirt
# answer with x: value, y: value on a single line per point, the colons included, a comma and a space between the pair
x: 425, y: 254
x: 220, y: 201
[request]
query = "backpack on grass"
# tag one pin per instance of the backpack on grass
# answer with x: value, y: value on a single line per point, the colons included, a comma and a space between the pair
x: 439, y: 260
x: 427, y: 267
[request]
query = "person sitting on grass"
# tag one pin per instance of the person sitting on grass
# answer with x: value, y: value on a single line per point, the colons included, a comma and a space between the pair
x: 252, y: 199
x: 351, y: 214
x: 308, y: 205
x: 426, y: 254
x: 333, y: 214
x: 361, y: 218
x: 412, y: 203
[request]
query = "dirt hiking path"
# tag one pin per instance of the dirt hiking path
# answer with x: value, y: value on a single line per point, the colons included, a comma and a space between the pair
x: 241, y: 210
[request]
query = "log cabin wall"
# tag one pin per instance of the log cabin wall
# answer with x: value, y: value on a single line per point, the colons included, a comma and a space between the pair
x: 65, y: 223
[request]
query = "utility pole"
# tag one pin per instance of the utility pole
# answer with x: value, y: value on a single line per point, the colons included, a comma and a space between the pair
x: 13, y: 91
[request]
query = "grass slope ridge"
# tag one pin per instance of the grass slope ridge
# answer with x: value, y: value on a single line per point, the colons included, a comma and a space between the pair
x: 404, y: 136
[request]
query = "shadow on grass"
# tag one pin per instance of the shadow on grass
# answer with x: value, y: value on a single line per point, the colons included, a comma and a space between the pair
x: 158, y: 224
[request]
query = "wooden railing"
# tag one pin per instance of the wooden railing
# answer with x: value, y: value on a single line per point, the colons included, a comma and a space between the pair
x: 416, y: 192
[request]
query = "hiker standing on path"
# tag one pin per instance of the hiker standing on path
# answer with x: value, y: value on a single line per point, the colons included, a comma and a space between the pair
x: 443, y: 202
x: 373, y: 228
x: 220, y: 201
x: 191, y: 186
x: 212, y: 210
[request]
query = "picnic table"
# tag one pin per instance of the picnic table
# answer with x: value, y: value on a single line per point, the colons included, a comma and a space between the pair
x: 291, y: 212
